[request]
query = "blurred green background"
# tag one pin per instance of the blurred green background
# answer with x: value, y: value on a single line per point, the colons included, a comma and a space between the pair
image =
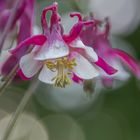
x: 113, y: 115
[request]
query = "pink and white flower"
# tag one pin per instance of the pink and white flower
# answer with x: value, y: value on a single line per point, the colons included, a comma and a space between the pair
x: 115, y: 57
x: 57, y: 57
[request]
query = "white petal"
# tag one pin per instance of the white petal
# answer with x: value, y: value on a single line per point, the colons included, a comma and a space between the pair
x: 29, y: 66
x: 84, y: 69
x: 77, y: 43
x: 90, y: 53
x: 56, y: 50
x: 46, y: 75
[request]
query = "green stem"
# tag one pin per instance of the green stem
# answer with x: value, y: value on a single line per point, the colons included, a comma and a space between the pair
x: 8, y: 79
x: 20, y: 109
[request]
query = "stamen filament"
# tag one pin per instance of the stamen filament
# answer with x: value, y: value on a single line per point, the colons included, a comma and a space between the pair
x: 60, y: 65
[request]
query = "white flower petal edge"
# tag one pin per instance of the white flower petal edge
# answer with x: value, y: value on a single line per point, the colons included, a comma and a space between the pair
x: 84, y: 69
x: 56, y: 50
x: 122, y: 74
x: 90, y: 53
x: 29, y: 66
x: 47, y: 75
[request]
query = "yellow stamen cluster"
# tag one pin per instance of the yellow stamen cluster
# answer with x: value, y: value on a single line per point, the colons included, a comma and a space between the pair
x: 63, y: 66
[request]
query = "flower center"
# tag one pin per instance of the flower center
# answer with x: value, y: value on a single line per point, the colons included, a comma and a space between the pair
x: 63, y: 66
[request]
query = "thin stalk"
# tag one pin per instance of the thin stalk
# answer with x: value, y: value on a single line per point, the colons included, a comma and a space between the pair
x: 8, y: 24
x: 8, y: 79
x: 20, y: 109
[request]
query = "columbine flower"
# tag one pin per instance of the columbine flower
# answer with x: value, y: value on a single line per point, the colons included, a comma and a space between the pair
x: 99, y: 41
x: 57, y: 58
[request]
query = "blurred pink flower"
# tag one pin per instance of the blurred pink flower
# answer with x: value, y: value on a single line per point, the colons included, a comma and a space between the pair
x: 99, y: 40
x: 5, y: 13
x: 25, y: 19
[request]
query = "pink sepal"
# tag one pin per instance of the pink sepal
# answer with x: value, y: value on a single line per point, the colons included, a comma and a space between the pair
x: 129, y: 61
x: 77, y: 79
x: 106, y: 67
x: 35, y: 40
